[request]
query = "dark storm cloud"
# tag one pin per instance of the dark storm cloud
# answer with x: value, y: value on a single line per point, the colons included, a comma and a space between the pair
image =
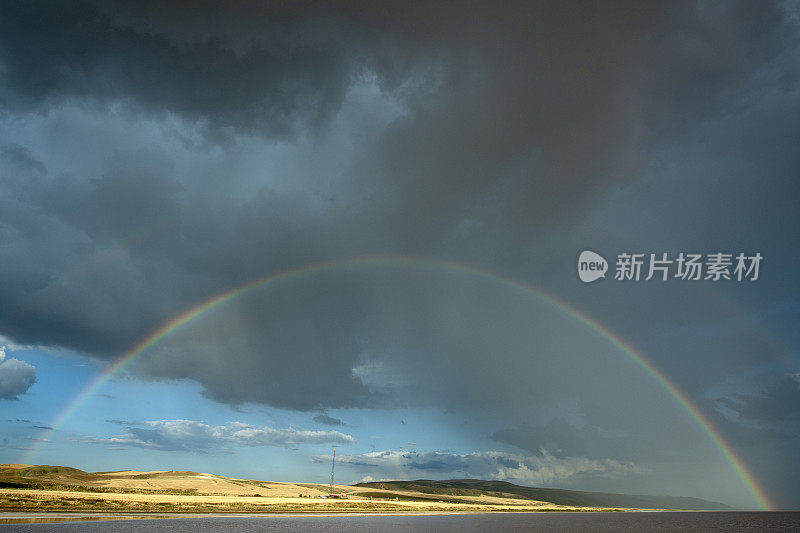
x: 511, y: 119
x: 779, y: 403
x: 539, y: 107
x: 287, y: 346
x: 62, y: 50
x: 480, y: 105
x: 20, y: 155
x: 720, y: 55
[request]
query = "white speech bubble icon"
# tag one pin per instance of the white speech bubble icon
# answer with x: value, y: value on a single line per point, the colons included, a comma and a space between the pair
x: 591, y: 266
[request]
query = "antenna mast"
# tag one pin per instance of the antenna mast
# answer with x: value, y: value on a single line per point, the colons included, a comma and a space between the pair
x: 333, y: 465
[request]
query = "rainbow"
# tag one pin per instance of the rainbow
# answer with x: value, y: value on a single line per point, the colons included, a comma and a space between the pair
x: 752, y: 485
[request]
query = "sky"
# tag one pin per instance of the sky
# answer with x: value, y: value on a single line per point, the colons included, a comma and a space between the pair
x: 388, y: 202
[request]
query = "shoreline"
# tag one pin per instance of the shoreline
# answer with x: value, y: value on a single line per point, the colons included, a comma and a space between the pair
x: 80, y: 514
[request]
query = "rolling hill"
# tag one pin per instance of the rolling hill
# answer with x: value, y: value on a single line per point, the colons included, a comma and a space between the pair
x: 173, y: 482
x: 453, y: 492
x: 503, y: 489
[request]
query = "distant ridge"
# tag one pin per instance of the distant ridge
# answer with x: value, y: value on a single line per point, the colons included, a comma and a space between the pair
x: 429, y: 492
x: 478, y: 487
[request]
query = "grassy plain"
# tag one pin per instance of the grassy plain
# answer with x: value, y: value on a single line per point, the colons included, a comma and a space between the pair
x: 51, y: 488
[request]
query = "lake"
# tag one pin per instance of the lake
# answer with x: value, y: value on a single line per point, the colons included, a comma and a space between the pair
x: 599, y: 522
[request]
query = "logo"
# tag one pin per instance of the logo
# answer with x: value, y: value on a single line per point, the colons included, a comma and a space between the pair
x: 591, y: 266
x: 684, y: 266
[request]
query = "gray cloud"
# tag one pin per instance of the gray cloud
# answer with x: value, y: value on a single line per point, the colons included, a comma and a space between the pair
x: 193, y: 436
x: 485, y: 137
x: 16, y: 376
x: 274, y: 86
x: 560, y: 435
x: 324, y: 419
x: 779, y: 403
x: 19, y: 155
x: 539, y: 469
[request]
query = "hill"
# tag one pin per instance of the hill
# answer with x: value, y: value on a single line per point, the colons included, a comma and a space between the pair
x: 27, y: 488
x: 155, y: 482
x: 43, y: 487
x: 503, y: 489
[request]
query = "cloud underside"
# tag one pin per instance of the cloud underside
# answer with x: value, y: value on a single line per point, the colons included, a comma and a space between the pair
x: 193, y: 436
x: 538, y: 469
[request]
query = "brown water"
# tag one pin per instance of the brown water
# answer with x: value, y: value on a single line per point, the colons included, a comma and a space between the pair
x: 592, y: 522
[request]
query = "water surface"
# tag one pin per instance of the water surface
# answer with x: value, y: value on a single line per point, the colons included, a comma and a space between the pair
x: 597, y: 522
